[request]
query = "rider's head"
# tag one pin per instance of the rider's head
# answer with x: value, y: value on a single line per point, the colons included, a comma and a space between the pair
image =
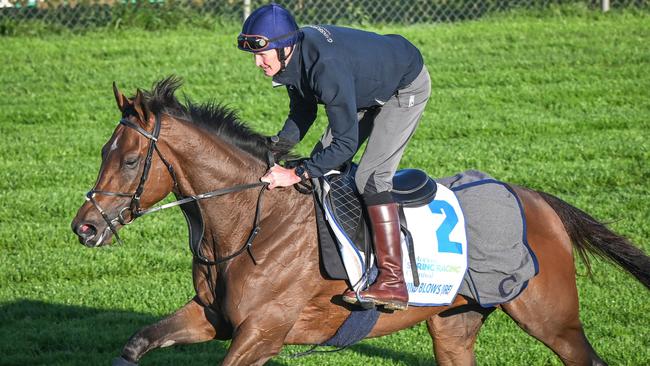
x: 270, y: 33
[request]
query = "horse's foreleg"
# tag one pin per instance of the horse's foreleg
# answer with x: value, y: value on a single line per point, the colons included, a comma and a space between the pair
x: 454, y: 333
x: 255, y: 341
x: 193, y: 323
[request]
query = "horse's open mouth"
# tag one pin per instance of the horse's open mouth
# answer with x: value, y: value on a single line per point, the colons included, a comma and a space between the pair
x: 89, y: 237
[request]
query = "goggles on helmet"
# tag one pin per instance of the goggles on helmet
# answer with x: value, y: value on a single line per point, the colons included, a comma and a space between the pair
x: 252, y: 42
x: 257, y: 43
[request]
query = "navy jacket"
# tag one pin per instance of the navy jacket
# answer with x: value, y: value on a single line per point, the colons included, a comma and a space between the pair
x: 347, y: 70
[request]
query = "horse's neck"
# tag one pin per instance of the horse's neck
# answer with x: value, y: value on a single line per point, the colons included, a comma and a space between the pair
x: 205, y: 163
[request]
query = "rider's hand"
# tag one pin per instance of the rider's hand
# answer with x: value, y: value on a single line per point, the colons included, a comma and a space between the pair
x: 279, y: 176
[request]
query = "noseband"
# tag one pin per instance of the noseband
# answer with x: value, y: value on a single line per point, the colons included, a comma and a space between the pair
x: 136, y: 211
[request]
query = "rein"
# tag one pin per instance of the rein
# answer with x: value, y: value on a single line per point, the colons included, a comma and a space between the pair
x: 137, y: 211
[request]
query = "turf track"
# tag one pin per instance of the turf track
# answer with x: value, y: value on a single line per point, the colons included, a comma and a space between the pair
x: 556, y: 101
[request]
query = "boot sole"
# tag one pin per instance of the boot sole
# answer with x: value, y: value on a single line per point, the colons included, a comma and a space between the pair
x: 394, y: 305
x: 368, y: 304
x: 350, y: 300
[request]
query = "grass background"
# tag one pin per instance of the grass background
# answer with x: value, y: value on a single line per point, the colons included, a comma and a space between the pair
x: 556, y: 100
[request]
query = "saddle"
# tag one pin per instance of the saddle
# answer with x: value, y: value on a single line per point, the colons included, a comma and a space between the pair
x: 337, y: 198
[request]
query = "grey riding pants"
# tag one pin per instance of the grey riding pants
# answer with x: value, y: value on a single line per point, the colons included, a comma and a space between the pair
x: 388, y: 128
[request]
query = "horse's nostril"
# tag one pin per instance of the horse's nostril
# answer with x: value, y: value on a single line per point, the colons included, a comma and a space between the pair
x: 86, y: 230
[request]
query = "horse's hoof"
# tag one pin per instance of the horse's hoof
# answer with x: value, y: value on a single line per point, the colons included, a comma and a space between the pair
x: 119, y: 361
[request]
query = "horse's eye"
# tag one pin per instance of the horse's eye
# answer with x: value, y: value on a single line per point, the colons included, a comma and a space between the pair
x: 131, y: 162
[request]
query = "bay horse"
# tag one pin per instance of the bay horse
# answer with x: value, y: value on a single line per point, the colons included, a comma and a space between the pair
x: 277, y: 293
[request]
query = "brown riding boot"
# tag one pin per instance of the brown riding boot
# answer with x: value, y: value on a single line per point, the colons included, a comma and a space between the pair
x: 389, y: 289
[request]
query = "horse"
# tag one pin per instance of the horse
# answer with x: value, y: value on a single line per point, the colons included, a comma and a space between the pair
x: 274, y: 292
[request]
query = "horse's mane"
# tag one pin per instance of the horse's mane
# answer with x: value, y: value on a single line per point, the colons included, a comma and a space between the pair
x: 212, y: 117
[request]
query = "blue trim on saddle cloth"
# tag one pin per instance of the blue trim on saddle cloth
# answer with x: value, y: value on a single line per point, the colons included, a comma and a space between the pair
x: 357, y: 325
x: 524, y: 238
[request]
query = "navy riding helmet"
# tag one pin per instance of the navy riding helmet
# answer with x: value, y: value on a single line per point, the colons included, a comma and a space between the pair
x: 269, y: 27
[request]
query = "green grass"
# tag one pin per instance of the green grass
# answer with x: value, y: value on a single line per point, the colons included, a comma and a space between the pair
x: 557, y: 101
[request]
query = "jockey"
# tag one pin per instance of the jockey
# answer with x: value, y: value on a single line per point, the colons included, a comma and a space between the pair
x: 373, y: 87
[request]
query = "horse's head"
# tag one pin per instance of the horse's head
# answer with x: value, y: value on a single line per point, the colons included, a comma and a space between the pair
x: 132, y: 176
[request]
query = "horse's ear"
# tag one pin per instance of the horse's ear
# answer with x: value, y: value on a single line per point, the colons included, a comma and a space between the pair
x: 141, y: 108
x: 121, y: 100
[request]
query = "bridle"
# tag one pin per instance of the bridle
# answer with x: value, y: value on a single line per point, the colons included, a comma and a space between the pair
x: 136, y: 211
